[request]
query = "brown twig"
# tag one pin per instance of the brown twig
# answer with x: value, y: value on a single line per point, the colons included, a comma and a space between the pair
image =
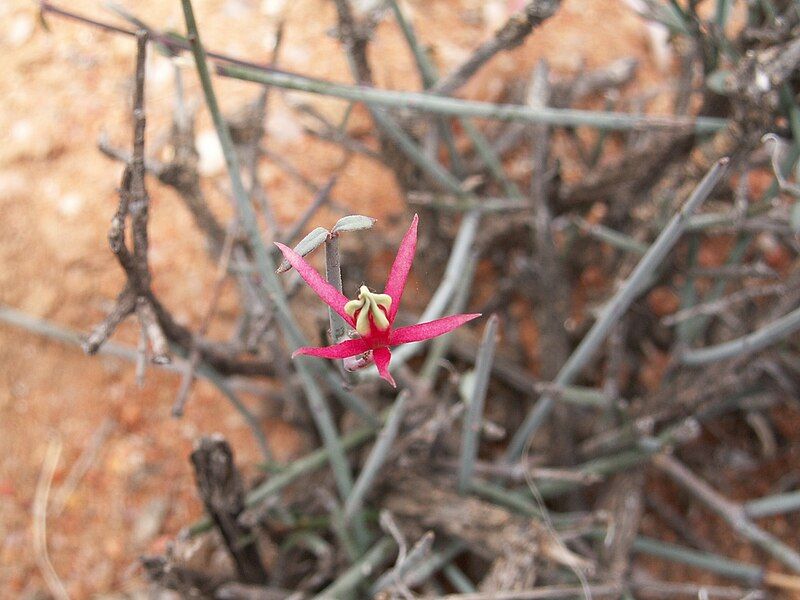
x: 222, y: 491
x: 194, y: 352
x: 513, y: 32
x: 137, y: 295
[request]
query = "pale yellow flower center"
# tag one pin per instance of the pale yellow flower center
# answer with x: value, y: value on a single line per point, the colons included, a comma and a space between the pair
x: 369, y: 303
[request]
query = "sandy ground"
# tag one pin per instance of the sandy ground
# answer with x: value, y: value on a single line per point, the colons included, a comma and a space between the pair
x: 59, y: 91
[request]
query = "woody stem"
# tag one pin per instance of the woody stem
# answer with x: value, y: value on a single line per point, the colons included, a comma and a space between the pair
x: 333, y: 273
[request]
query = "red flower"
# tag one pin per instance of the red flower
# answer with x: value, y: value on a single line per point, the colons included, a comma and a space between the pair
x: 372, y: 315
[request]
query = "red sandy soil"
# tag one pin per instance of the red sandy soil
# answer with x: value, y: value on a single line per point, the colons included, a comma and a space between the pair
x: 60, y: 90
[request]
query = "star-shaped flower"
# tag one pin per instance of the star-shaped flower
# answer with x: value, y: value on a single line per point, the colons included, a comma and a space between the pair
x: 372, y: 315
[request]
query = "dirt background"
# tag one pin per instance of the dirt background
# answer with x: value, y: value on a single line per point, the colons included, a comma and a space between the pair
x: 60, y: 90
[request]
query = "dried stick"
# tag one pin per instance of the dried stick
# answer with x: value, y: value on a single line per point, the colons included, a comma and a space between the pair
x: 610, y: 236
x: 333, y: 274
x: 123, y: 306
x: 68, y: 336
x: 54, y: 583
x: 458, y: 579
x: 81, y: 466
x: 216, y: 292
x: 286, y: 79
x: 648, y: 588
x: 355, y: 38
x: 435, y: 561
x: 222, y: 491
x: 302, y: 466
x: 510, y: 35
x: 428, y: 75
x: 446, y: 202
x: 677, y: 522
x: 616, y: 307
x: 748, y: 573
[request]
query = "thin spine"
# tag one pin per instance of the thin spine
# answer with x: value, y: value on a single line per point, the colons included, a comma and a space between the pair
x: 603, y: 466
x: 750, y: 574
x: 617, y: 306
x: 472, y: 422
x: 487, y: 154
x: 575, y: 394
x: 697, y: 326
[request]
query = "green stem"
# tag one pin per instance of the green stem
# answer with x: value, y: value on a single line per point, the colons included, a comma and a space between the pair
x: 616, y: 307
x: 470, y: 108
x: 319, y: 408
x: 359, y: 571
x: 770, y: 334
x: 376, y: 457
x: 470, y: 436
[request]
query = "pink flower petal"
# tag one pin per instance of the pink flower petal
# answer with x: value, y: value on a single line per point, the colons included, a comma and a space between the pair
x: 343, y: 349
x: 329, y: 294
x: 431, y: 329
x: 382, y: 357
x: 396, y: 282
